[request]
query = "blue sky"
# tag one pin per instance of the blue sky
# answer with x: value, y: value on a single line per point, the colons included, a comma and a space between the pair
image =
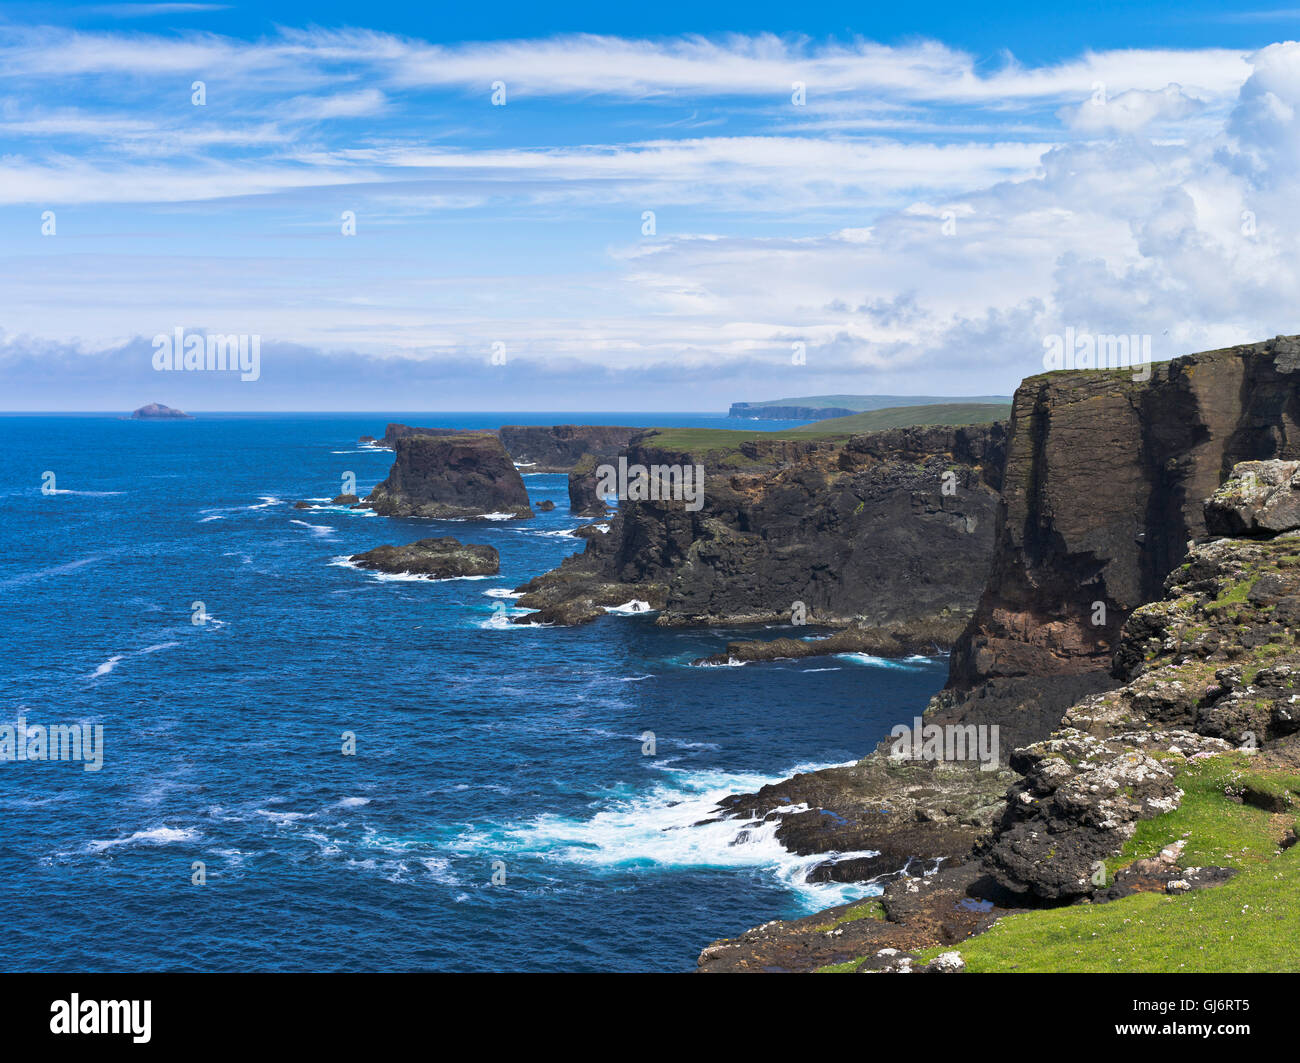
x: 950, y: 187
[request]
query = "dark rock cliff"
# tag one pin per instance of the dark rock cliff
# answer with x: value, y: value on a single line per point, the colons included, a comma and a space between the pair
x: 886, y: 529
x: 1104, y: 483
x: 461, y: 475
x: 560, y: 447
x: 542, y: 448
x: 1102, y: 489
x: 584, y: 498
x: 395, y: 431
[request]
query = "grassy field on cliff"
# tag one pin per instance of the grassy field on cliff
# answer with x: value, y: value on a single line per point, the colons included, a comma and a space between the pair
x: 954, y: 413
x: 702, y: 440
x: 1247, y: 924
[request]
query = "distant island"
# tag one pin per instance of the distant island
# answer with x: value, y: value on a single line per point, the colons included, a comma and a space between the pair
x: 820, y: 407
x: 156, y: 411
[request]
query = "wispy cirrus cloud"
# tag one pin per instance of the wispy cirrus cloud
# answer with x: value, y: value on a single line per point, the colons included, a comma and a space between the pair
x: 918, y: 219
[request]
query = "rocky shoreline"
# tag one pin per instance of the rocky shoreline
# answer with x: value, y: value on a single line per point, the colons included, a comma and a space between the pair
x: 1129, y: 631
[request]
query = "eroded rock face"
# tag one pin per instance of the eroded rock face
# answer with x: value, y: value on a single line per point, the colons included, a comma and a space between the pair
x: 443, y: 558
x: 396, y: 431
x: 584, y: 499
x: 560, y: 447
x: 463, y: 475
x: 1212, y: 666
x: 1080, y: 801
x: 1262, y: 498
x: 1104, y: 483
x: 888, y: 529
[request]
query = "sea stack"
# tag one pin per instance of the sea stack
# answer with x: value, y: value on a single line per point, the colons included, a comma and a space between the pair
x: 459, y: 476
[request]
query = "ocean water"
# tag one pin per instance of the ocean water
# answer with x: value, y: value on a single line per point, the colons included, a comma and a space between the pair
x: 483, y: 750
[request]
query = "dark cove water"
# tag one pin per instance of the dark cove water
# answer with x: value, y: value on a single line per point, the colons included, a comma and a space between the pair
x: 477, y: 741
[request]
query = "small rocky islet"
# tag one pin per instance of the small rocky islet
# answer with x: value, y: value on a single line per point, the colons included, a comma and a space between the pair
x: 435, y: 558
x: 156, y: 411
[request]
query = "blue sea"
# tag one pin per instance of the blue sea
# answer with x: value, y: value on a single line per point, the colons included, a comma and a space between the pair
x: 499, y: 812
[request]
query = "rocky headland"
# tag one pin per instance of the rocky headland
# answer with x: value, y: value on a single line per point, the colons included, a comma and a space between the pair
x: 887, y: 532
x: 1139, y: 627
x: 1103, y: 488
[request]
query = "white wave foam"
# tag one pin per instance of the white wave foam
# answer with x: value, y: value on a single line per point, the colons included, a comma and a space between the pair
x: 106, y: 667
x: 500, y: 621
x: 668, y: 827
x: 53, y: 570
x: 563, y: 533
x: 117, y: 658
x: 907, y: 663
x: 353, y: 802
x: 343, y: 561
x: 321, y: 531
x: 156, y: 836
x: 283, y: 817
x: 501, y: 592
x: 630, y: 608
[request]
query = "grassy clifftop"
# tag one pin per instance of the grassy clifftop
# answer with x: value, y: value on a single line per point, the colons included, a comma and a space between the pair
x: 1247, y: 924
x: 701, y: 440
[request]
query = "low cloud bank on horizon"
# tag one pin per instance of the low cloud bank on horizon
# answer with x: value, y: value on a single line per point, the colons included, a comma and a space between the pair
x: 585, y: 222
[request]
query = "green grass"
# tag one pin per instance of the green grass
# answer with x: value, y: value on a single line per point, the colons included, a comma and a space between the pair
x: 836, y: 429
x: 1218, y: 831
x: 1234, y: 594
x: 1247, y: 924
x: 954, y: 413
x: 871, y: 909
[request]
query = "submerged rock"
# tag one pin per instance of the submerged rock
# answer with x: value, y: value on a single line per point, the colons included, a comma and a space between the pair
x: 435, y: 558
